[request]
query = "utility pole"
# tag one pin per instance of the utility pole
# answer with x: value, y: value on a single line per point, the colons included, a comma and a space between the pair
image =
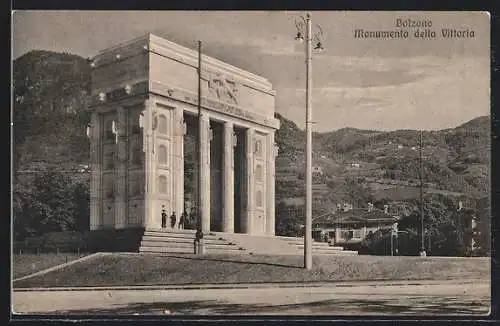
x: 392, y: 242
x: 199, y: 140
x: 422, y: 249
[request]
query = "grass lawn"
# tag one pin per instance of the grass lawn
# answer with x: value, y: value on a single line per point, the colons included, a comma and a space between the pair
x: 25, y: 264
x: 143, y: 269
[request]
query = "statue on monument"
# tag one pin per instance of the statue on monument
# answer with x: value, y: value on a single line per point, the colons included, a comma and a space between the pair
x: 143, y: 124
x: 224, y: 88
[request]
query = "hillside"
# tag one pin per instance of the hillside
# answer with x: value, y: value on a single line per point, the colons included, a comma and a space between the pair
x: 360, y: 165
x: 50, y: 92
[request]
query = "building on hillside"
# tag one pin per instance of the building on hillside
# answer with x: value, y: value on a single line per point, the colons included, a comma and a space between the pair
x: 318, y: 170
x: 348, y: 228
x: 293, y: 201
x: 345, y: 207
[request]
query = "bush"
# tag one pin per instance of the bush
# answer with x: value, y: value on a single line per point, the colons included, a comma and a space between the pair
x: 50, y: 201
x: 377, y: 243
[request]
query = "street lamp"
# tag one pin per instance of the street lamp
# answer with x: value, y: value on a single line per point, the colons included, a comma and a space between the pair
x: 303, y: 26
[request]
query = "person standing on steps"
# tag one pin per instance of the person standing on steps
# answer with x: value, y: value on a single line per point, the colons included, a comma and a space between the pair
x: 163, y: 217
x: 187, y: 221
x: 192, y: 219
x: 173, y: 219
x: 182, y: 220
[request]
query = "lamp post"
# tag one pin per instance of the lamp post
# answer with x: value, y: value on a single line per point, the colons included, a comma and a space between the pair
x: 304, y: 27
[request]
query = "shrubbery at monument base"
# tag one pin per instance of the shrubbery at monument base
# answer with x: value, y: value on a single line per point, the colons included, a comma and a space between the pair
x: 49, y: 201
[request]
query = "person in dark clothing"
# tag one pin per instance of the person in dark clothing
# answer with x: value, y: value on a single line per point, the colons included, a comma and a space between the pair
x: 163, y: 218
x: 187, y: 221
x: 173, y: 219
x: 199, y: 234
x: 182, y: 220
x: 192, y: 219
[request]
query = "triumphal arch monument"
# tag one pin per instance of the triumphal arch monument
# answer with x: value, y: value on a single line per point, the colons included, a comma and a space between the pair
x: 144, y: 118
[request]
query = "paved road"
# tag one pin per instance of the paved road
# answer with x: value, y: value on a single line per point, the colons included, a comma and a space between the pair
x: 448, y: 298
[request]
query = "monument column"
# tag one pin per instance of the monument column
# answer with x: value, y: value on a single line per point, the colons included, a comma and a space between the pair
x: 121, y: 169
x: 146, y: 123
x: 178, y: 167
x: 272, y: 152
x: 204, y: 129
x: 249, y: 135
x: 94, y: 133
x: 228, y: 182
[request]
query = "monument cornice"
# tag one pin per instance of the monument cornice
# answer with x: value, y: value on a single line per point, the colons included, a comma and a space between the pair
x: 113, y: 97
x: 160, y: 46
x: 189, y: 97
x: 187, y: 56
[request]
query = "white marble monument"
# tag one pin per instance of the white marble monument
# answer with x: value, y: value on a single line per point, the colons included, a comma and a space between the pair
x: 143, y: 94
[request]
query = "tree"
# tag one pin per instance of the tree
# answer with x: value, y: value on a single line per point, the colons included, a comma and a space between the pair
x: 81, y: 202
x: 22, y: 197
x: 445, y: 228
x: 356, y: 193
x: 377, y: 243
x: 288, y: 220
x: 482, y: 231
x: 449, y: 240
x: 46, y: 203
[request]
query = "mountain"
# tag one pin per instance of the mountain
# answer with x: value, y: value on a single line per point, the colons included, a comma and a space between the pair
x: 366, y: 165
x: 476, y: 124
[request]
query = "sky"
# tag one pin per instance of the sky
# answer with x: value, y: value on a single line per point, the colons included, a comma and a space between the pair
x: 377, y: 84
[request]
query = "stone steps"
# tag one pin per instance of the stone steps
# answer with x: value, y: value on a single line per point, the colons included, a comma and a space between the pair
x: 171, y: 235
x: 318, y: 248
x: 260, y: 245
x: 268, y: 245
x: 172, y: 250
x: 182, y: 241
x: 171, y: 231
x: 149, y: 243
x: 159, y: 239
